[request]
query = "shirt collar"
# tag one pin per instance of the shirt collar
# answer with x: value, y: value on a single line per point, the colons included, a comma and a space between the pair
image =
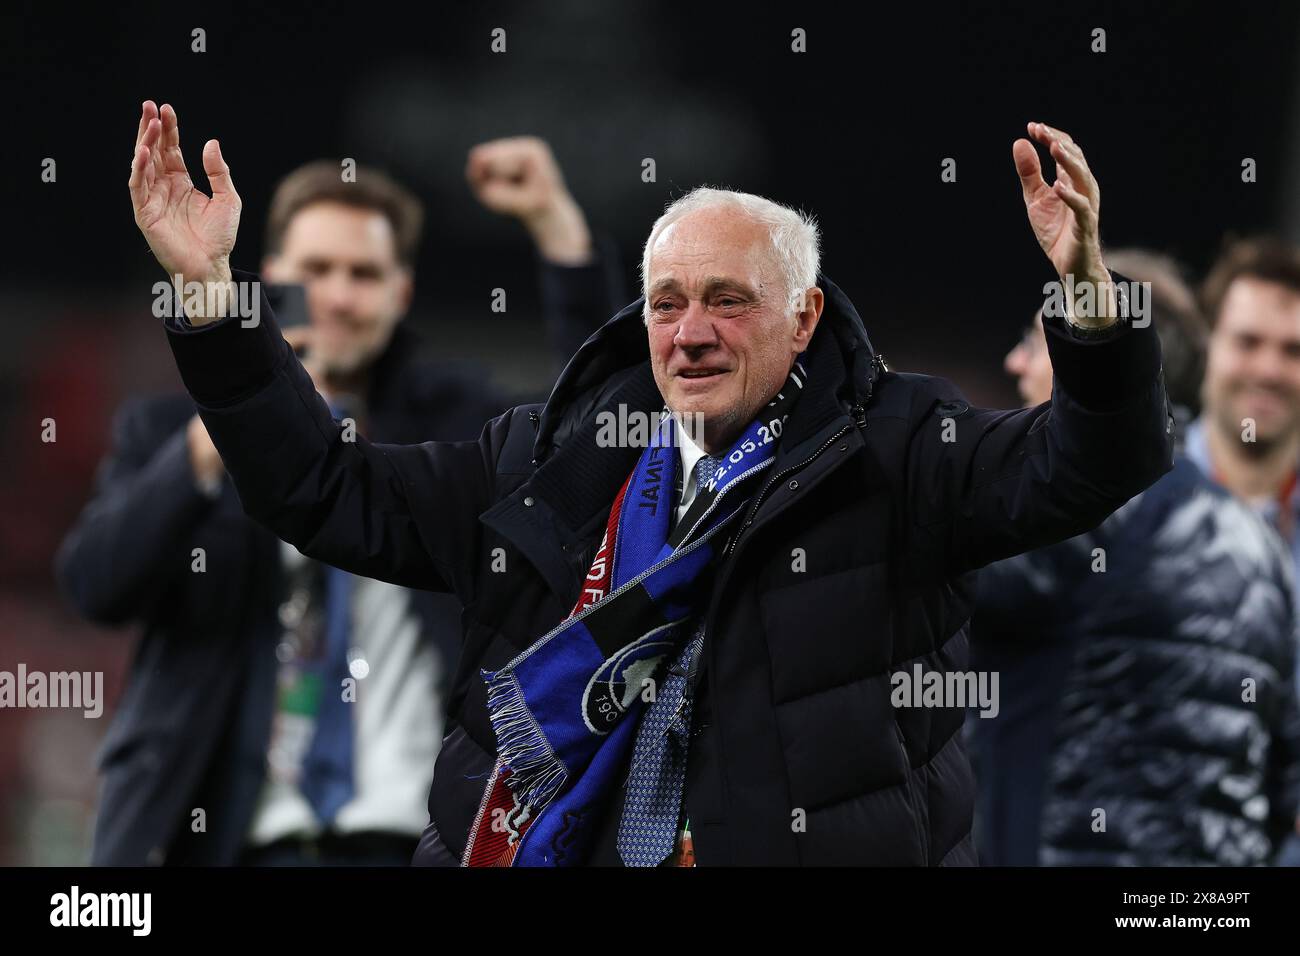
x: 1196, y: 448
x: 691, y: 453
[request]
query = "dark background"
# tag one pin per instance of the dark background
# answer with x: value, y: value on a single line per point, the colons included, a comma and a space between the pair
x: 854, y: 130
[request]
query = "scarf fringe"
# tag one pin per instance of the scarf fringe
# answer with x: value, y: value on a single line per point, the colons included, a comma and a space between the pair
x: 536, y: 774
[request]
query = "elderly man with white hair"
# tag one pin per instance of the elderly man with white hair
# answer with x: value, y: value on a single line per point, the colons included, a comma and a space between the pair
x: 687, y: 638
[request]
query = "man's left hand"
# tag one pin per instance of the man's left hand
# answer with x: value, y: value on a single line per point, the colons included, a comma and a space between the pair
x: 1064, y: 215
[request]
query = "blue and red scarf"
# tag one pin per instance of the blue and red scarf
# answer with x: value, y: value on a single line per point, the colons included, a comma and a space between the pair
x: 565, y: 711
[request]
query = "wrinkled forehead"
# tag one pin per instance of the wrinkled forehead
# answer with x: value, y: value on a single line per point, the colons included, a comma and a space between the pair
x: 709, y: 245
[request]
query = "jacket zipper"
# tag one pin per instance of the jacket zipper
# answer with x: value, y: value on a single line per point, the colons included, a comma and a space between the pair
x: 691, y: 689
x: 753, y: 511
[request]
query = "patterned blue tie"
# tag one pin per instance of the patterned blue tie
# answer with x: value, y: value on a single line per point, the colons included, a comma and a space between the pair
x: 647, y: 831
x: 327, y: 780
x: 704, y: 469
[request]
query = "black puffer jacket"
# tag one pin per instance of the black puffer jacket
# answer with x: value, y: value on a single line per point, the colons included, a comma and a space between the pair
x: 1148, y: 711
x: 892, y: 485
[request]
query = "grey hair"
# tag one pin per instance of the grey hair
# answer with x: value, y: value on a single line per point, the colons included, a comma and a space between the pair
x: 795, y: 238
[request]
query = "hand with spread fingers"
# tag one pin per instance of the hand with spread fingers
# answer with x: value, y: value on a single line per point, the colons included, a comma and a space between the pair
x: 1064, y: 216
x: 191, y: 234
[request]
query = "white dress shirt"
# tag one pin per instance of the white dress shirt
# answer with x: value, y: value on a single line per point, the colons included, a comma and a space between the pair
x: 690, y: 453
x: 397, y: 725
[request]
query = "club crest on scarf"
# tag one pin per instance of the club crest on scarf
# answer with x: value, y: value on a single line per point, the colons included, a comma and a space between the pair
x: 565, y: 709
x: 621, y: 679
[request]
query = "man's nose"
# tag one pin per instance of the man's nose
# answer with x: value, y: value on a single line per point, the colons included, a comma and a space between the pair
x: 695, y: 330
x: 335, y: 291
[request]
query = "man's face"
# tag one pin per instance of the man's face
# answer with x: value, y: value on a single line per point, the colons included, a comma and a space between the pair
x: 723, y: 335
x: 357, y: 290
x: 1031, y: 366
x: 1253, y: 361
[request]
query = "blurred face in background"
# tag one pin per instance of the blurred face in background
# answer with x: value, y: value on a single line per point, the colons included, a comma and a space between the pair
x: 1029, y: 364
x: 723, y: 334
x: 357, y: 289
x: 1253, y: 362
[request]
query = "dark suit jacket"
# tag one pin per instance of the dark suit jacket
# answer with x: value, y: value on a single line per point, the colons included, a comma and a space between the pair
x: 192, y: 729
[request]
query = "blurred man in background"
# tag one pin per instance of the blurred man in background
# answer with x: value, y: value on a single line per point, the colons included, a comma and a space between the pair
x: 1144, y: 720
x: 1249, y: 437
x: 233, y: 742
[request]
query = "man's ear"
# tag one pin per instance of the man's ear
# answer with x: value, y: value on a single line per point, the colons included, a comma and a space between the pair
x: 807, y: 313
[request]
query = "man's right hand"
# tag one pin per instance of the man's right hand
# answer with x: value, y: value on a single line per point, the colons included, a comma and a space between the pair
x: 518, y: 176
x: 191, y: 234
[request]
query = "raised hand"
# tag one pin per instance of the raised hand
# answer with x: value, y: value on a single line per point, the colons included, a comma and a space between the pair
x: 519, y: 177
x: 191, y: 234
x: 1063, y: 215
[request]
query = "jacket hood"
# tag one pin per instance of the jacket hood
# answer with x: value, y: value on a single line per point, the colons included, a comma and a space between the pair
x: 840, y: 362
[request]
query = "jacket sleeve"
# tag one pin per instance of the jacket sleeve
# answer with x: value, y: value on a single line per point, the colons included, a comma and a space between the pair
x: 407, y: 514
x: 577, y: 300
x: 988, y: 484
x: 130, y: 539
